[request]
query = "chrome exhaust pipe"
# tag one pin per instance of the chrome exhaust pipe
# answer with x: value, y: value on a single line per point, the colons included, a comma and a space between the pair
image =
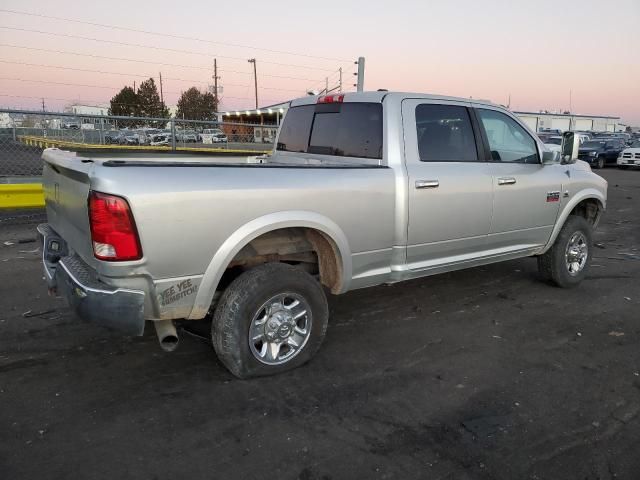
x: 167, y: 335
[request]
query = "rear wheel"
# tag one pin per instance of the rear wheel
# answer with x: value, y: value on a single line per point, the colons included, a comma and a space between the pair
x: 270, y: 319
x: 566, y: 263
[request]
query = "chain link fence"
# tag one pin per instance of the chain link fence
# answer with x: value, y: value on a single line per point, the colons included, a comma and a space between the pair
x: 25, y: 134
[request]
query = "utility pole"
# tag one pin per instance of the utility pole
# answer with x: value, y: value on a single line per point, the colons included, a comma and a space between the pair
x: 326, y: 85
x: 340, y: 80
x: 134, y: 86
x: 360, y: 83
x: 570, y: 109
x: 215, y: 82
x: 255, y: 78
x: 161, y: 96
x: 43, y: 104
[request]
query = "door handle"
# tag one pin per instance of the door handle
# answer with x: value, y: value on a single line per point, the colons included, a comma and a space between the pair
x: 427, y: 183
x: 506, y: 181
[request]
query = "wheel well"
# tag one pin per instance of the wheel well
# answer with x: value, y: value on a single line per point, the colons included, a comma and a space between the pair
x: 589, y: 209
x: 306, y: 248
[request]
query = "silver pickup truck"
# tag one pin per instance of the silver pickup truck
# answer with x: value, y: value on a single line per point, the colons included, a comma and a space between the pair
x: 361, y: 189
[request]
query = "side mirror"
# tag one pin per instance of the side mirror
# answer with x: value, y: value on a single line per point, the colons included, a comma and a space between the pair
x: 549, y: 157
x: 570, y: 147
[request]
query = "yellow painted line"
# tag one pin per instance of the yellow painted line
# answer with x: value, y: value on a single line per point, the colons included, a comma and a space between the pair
x: 21, y: 195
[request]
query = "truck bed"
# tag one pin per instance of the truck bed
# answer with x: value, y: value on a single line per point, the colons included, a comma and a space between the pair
x: 187, y: 210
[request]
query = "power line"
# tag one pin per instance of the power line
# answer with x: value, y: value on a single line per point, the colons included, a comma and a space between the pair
x: 60, y: 67
x: 47, y: 82
x: 75, y: 100
x: 135, y: 60
x: 183, y: 37
x: 80, y: 101
x: 151, y: 47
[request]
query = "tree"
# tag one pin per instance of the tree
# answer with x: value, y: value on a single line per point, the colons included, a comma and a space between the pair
x: 149, y: 104
x: 124, y: 103
x: 195, y: 105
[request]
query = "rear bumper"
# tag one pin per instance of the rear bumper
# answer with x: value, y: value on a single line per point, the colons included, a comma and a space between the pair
x: 92, y: 300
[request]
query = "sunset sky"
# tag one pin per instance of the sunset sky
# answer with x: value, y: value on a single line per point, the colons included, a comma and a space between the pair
x: 535, y: 51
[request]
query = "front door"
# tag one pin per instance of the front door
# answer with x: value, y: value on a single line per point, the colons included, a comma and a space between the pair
x: 449, y: 191
x: 527, y: 193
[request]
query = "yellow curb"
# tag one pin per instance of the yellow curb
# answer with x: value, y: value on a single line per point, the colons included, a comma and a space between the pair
x: 21, y: 195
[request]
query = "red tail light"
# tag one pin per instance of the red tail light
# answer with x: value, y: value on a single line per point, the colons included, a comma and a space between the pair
x: 113, y: 230
x: 331, y: 99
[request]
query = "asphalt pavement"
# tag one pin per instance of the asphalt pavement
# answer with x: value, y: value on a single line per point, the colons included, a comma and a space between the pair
x: 485, y: 373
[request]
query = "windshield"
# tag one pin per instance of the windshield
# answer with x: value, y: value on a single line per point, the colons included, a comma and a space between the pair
x: 554, y: 141
x: 636, y: 144
x: 592, y: 144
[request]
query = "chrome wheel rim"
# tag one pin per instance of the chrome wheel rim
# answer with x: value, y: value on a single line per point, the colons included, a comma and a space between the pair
x: 577, y: 253
x: 280, y: 328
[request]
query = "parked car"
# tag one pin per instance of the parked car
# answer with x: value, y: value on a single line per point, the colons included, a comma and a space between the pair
x: 143, y: 138
x: 554, y: 143
x: 129, y: 137
x: 584, y: 137
x: 362, y: 189
x: 601, y: 152
x: 112, y: 137
x: 630, y: 157
x: 71, y: 124
x: 186, y: 136
x: 159, y: 139
x: 213, y: 135
x: 551, y: 131
x: 544, y: 136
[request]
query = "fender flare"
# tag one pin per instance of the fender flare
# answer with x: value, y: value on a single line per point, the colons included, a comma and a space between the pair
x: 589, y: 193
x: 253, y: 229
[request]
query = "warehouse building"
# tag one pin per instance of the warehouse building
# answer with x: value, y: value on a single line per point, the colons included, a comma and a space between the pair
x: 539, y: 122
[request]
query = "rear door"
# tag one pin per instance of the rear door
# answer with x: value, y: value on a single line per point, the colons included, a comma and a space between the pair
x: 450, y: 193
x: 526, y: 192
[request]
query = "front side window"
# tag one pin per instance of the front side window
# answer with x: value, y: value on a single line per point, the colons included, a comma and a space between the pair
x: 445, y: 134
x: 508, y: 141
x: 338, y: 129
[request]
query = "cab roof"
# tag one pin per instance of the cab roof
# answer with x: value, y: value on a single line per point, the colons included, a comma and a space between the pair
x: 380, y: 96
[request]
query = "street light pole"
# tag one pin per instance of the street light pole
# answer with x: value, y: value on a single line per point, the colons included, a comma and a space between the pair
x: 255, y: 78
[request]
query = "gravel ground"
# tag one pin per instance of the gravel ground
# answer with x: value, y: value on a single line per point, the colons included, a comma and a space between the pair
x: 485, y: 373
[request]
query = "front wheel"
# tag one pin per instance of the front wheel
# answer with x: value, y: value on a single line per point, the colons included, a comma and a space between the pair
x: 600, y: 163
x: 271, y: 318
x: 566, y: 263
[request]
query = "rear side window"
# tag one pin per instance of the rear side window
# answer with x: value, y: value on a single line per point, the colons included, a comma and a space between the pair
x: 294, y: 134
x: 339, y: 129
x: 445, y: 134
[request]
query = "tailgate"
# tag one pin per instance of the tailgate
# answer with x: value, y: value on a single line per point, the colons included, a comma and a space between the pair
x: 66, y: 184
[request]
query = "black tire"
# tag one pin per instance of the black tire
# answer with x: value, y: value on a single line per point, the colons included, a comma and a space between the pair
x: 243, y: 299
x: 601, y: 163
x: 552, y: 265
